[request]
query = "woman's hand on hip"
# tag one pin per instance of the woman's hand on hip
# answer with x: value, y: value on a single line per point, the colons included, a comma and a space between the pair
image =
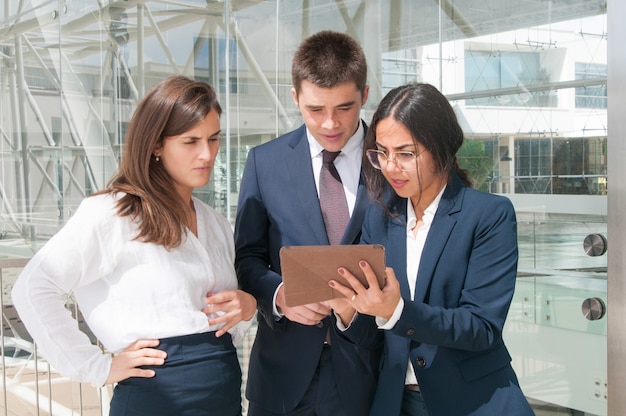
x: 139, y: 353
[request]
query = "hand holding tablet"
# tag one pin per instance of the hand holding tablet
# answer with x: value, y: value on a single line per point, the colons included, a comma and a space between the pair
x: 306, y: 270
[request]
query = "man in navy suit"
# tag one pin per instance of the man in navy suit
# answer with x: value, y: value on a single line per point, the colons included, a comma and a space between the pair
x: 316, y: 359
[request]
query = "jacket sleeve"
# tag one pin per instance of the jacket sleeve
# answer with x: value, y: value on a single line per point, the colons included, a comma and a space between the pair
x: 252, y: 258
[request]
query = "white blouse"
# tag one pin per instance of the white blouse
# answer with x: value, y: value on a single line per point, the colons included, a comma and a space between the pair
x: 125, y: 289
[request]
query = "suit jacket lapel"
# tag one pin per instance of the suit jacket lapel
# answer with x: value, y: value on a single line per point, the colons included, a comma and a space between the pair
x: 304, y: 193
x: 358, y: 213
x: 361, y: 204
x: 396, y: 247
x: 439, y: 233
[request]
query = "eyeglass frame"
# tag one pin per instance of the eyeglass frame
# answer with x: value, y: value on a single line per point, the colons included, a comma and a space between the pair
x: 387, y: 156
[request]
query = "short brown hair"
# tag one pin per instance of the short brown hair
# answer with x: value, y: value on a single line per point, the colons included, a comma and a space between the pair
x: 171, y: 107
x: 328, y: 59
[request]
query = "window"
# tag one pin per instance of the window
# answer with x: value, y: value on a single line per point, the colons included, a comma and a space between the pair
x: 210, y: 64
x: 493, y: 70
x: 593, y: 96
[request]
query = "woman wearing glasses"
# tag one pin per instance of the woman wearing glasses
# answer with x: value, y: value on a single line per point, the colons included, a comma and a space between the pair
x: 452, y: 257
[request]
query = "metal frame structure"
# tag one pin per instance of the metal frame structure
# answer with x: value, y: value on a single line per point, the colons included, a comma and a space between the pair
x: 32, y: 37
x: 47, y: 48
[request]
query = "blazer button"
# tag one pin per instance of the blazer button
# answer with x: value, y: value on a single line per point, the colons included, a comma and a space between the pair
x: 421, y: 362
x: 320, y: 324
x: 410, y: 331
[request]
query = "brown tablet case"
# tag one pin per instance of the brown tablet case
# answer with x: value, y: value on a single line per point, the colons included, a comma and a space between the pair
x: 306, y: 270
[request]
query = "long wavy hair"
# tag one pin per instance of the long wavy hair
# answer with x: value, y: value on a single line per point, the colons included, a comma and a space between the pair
x: 170, y: 108
x: 429, y: 117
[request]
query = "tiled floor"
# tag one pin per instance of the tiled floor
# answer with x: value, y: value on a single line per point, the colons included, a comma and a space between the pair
x: 545, y: 409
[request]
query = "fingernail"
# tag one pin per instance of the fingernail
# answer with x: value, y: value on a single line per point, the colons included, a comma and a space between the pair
x: 362, y: 263
x: 331, y: 283
x: 341, y: 270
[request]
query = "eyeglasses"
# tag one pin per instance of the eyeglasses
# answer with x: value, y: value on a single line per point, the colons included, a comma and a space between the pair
x: 405, y: 161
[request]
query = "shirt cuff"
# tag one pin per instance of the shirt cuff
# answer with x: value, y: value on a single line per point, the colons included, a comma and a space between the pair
x: 340, y: 325
x: 103, y: 366
x: 277, y: 314
x: 395, y: 317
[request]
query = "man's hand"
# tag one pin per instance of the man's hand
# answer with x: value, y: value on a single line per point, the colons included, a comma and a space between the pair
x: 310, y: 314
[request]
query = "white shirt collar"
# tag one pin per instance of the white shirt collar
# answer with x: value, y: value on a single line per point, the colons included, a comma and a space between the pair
x: 353, y: 148
x: 429, y: 213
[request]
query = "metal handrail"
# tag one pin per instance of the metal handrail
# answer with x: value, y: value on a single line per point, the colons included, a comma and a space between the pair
x: 5, y: 264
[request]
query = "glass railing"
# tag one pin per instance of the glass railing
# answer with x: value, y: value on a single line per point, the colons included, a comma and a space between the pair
x: 556, y: 328
x: 29, y: 385
x: 559, y: 355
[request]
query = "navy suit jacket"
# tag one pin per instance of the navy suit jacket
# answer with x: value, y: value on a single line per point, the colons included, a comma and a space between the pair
x: 279, y: 206
x: 452, y: 330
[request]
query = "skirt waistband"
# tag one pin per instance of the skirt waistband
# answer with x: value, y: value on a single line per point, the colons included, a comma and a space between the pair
x: 192, y: 340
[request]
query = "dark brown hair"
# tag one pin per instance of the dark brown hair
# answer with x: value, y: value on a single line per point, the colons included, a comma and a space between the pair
x: 429, y: 117
x: 171, y: 107
x: 328, y: 59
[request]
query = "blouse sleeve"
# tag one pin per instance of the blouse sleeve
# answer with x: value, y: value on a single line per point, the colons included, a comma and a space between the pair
x: 81, y: 252
x: 239, y: 331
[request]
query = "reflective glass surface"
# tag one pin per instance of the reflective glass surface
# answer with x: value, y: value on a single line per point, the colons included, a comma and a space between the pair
x: 526, y: 78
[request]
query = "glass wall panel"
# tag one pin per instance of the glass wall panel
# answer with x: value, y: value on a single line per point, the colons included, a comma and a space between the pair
x: 526, y: 78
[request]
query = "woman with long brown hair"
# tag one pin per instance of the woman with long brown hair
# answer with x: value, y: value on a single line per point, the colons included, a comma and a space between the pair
x: 152, y: 270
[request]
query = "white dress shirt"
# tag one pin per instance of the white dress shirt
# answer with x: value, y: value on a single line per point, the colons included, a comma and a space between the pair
x: 125, y: 289
x: 415, y: 240
x: 348, y: 164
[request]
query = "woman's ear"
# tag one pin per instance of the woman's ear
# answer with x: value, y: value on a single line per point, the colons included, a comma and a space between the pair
x: 157, y: 152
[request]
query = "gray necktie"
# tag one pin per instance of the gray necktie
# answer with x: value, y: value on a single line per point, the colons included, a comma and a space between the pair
x: 333, y: 199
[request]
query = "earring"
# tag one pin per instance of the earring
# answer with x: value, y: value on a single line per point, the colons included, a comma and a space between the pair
x: 158, y: 158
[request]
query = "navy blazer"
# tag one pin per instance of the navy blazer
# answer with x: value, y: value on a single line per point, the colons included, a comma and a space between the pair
x: 452, y: 330
x: 279, y: 206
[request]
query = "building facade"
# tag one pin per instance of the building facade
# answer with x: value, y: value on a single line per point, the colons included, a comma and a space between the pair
x: 529, y: 81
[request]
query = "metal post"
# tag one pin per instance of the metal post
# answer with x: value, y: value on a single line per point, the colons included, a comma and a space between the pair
x: 616, y: 199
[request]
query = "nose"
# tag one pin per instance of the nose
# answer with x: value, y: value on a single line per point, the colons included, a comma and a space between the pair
x: 391, y: 164
x: 205, y: 152
x: 330, y: 121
